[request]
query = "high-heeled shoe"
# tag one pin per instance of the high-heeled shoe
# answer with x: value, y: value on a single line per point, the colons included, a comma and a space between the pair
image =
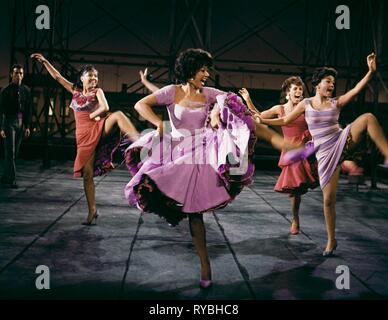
x: 294, y: 230
x: 90, y: 223
x: 204, y: 284
x: 300, y: 153
x: 330, y: 253
x: 384, y: 165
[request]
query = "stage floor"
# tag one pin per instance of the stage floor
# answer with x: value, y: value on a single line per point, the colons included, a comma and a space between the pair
x: 130, y: 255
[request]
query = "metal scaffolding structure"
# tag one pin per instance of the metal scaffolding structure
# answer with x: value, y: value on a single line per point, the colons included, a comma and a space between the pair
x: 191, y: 24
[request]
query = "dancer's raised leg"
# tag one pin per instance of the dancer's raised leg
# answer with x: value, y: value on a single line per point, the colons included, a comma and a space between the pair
x: 274, y: 138
x: 368, y: 122
x: 125, y: 125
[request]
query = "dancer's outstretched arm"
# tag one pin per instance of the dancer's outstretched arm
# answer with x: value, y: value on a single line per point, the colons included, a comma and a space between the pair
x: 348, y: 96
x: 143, y: 78
x: 245, y: 94
x: 273, y: 112
x: 53, y: 72
x: 299, y: 109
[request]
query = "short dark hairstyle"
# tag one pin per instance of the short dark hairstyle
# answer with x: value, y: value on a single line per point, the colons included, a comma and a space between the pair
x: 189, y: 62
x: 16, y: 66
x: 321, y: 73
x: 287, y: 85
x: 84, y: 69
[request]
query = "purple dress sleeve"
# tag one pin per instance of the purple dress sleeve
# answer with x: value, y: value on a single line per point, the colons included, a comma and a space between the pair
x: 166, y: 95
x: 211, y: 94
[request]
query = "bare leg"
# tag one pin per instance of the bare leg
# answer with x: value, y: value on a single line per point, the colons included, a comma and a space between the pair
x: 329, y: 200
x: 368, y: 122
x: 198, y: 233
x: 271, y: 136
x: 295, y: 205
x: 89, y: 188
x: 125, y: 125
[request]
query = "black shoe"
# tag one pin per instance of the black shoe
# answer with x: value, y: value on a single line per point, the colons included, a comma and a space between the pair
x: 330, y: 253
x: 90, y: 223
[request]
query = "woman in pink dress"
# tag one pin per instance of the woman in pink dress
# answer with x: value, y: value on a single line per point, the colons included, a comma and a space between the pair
x: 97, y: 134
x: 206, y: 159
x: 332, y: 143
x: 296, y: 177
x: 194, y: 168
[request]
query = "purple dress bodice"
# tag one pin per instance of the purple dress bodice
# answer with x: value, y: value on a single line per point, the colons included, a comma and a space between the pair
x: 186, y: 120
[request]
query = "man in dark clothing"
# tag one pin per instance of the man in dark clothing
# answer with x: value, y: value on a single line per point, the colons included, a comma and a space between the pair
x: 15, y: 118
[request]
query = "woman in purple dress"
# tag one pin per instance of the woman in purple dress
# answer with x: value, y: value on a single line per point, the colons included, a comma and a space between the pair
x: 97, y: 136
x: 204, y: 162
x: 333, y: 145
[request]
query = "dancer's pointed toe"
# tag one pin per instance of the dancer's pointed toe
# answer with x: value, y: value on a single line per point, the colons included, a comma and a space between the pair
x: 330, y: 253
x: 89, y: 222
x: 204, y: 284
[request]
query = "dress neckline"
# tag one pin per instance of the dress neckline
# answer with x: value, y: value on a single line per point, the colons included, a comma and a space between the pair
x: 317, y: 110
x: 91, y: 92
x: 191, y: 109
x: 203, y: 104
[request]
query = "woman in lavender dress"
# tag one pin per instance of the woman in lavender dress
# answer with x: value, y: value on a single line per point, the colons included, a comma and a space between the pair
x: 96, y: 130
x: 204, y: 162
x: 333, y: 144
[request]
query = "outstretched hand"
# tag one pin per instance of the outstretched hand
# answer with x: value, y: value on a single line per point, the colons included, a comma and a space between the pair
x: 143, y: 75
x: 371, y: 61
x: 39, y: 57
x: 244, y: 93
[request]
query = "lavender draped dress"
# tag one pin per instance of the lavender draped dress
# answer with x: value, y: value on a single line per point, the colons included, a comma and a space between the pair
x: 328, y: 137
x: 194, y: 168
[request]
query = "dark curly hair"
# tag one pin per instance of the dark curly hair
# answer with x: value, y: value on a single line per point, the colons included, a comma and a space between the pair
x: 287, y: 85
x: 85, y: 69
x: 189, y: 62
x: 321, y: 73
